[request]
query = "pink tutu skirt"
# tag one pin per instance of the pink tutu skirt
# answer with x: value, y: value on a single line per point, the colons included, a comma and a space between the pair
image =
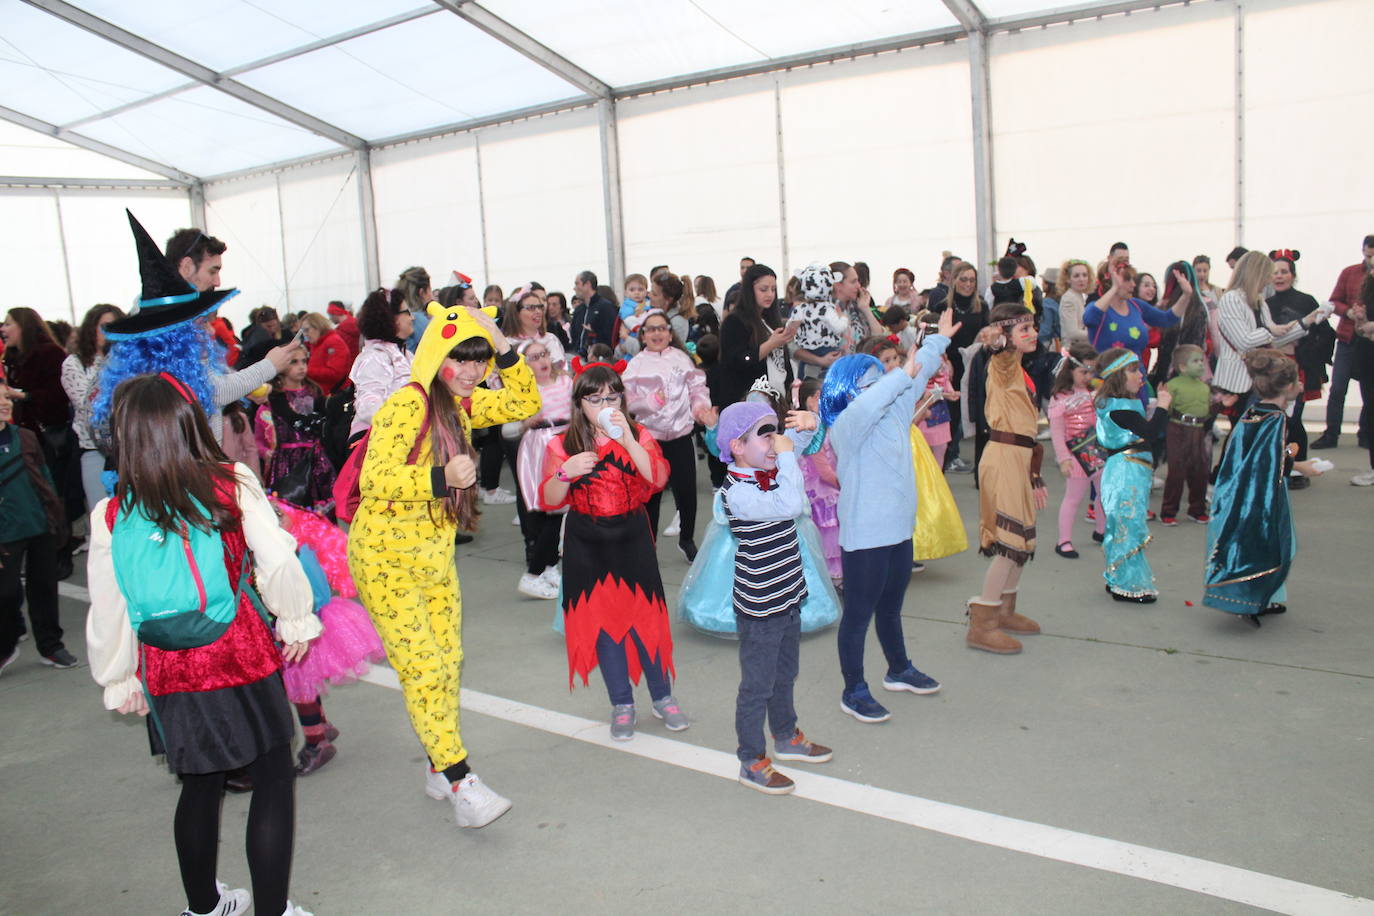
x: 340, y: 655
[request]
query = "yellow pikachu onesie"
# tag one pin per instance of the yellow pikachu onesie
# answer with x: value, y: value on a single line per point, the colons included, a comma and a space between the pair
x: 400, y: 546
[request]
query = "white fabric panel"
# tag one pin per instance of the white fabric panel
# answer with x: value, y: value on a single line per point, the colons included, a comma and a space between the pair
x: 878, y: 161
x: 998, y: 9
x: 632, y: 41
x: 699, y: 180
x: 28, y: 153
x: 1136, y: 146
x: 322, y: 235
x: 58, y: 72
x: 541, y: 184
x: 227, y: 33
x: 405, y: 78
x: 205, y: 132
x: 244, y: 214
x: 31, y: 255
x: 427, y: 215
x: 1307, y: 97
x: 100, y: 247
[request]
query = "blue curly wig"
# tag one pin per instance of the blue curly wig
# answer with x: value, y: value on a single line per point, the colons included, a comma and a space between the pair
x: 842, y: 384
x: 185, y: 351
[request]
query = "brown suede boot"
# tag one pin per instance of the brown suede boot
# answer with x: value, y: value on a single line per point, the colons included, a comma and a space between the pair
x: 1012, y: 622
x: 983, y: 632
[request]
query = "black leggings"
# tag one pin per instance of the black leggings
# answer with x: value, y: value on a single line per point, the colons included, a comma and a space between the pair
x: 681, y: 455
x: 493, y: 449
x: 271, y: 832
x: 541, y: 530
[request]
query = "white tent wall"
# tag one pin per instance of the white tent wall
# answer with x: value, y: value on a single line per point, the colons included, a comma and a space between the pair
x: 699, y: 180
x: 1308, y: 182
x: 878, y: 160
x: 246, y: 215
x: 99, y: 249
x: 322, y: 235
x: 1119, y: 130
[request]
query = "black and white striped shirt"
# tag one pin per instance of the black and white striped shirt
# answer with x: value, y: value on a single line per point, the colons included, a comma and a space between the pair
x: 769, y: 578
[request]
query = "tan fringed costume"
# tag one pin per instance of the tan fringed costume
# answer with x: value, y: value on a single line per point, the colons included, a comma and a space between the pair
x: 1010, y: 467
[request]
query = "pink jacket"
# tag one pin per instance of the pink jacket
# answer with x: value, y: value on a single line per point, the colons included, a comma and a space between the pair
x: 663, y: 389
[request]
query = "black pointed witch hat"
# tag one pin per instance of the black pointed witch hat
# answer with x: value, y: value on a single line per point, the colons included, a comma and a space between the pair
x: 167, y: 301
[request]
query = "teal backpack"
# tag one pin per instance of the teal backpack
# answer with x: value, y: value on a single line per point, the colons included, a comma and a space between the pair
x: 176, y: 588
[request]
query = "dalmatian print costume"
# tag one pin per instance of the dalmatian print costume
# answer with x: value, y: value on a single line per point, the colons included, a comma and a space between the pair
x: 823, y: 324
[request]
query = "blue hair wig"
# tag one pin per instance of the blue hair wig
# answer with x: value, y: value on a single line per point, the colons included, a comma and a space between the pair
x: 842, y: 384
x: 185, y: 352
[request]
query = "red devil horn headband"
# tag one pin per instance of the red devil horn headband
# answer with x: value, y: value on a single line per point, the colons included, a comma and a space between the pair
x: 580, y: 367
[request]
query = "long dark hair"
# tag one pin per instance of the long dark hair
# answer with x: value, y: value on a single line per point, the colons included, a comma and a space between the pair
x: 33, y: 330
x: 447, y: 437
x: 1193, y: 326
x: 90, y: 326
x: 168, y: 458
x: 761, y: 322
x: 1079, y: 350
x: 581, y: 434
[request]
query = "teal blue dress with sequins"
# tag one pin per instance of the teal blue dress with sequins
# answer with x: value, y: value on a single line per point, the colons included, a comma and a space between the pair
x: 1126, y: 480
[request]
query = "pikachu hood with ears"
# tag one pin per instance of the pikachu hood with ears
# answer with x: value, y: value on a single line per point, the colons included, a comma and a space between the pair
x: 447, y: 328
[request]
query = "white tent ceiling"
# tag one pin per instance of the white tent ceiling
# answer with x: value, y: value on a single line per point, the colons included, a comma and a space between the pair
x: 197, y: 89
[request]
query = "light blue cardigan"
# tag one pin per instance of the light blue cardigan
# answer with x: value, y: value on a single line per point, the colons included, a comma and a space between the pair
x: 872, y: 442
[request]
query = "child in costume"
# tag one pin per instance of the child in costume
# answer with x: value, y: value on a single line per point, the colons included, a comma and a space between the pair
x: 1010, y: 489
x: 705, y: 600
x: 822, y: 487
x: 1073, y: 430
x: 605, y: 468
x: 1128, y: 438
x: 934, y: 423
x: 762, y: 497
x: 541, y: 529
x: 298, y: 470
x: 219, y: 706
x: 1188, y: 441
x: 1250, y: 539
x: 344, y: 651
x: 417, y: 489
x: 868, y: 418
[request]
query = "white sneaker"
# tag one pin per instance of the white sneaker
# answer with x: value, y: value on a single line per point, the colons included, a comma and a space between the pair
x: 13, y: 657
x: 498, y: 497
x: 515, y: 521
x: 293, y: 910
x: 475, y: 804
x: 674, y: 527
x: 1157, y: 483
x: 1363, y: 480
x: 231, y: 902
x: 437, y: 785
x: 536, y: 587
x: 552, y: 576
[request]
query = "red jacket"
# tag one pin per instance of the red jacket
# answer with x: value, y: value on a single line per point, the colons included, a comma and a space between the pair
x: 348, y: 330
x: 1346, y: 294
x: 330, y: 360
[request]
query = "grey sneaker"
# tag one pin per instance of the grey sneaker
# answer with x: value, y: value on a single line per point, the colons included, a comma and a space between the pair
x: 959, y: 466
x: 674, y: 719
x: 60, y: 658
x: 623, y: 722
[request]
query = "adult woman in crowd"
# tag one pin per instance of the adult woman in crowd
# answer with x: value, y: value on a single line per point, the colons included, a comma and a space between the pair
x: 33, y: 368
x: 383, y: 366
x: 753, y: 339
x: 330, y: 357
x: 1181, y: 294
x: 1202, y: 269
x: 970, y: 313
x: 556, y: 314
x: 1287, y: 305
x: 706, y: 292
x: 79, y: 372
x: 903, y: 290
x: 854, y: 301
x: 524, y: 319
x: 681, y: 311
x: 1121, y: 319
x: 412, y: 286
x: 1244, y: 322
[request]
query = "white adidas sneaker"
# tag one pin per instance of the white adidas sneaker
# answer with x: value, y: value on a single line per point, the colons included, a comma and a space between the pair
x: 231, y: 902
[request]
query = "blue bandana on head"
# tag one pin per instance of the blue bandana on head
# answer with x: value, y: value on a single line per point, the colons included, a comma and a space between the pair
x: 843, y: 383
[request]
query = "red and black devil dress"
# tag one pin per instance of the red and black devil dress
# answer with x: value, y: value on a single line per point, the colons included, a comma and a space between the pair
x: 610, y: 570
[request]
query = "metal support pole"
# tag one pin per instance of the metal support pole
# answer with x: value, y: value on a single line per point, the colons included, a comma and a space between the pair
x: 1240, y: 122
x: 610, y: 188
x: 786, y: 265
x: 482, y: 208
x: 983, y: 198
x: 197, y: 195
x: 66, y: 264
x: 367, y: 218
x: 281, y: 236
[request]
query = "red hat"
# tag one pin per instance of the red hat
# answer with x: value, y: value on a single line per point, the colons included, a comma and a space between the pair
x: 336, y: 309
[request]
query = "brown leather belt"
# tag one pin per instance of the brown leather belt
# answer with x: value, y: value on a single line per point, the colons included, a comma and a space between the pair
x: 997, y: 435
x: 1184, y: 419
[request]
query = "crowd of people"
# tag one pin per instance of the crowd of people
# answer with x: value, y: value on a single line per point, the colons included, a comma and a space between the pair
x: 267, y: 513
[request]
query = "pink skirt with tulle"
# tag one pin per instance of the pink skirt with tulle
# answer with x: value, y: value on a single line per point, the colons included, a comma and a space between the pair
x: 340, y: 655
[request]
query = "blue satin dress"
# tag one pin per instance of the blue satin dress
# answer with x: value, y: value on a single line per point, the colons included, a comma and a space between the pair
x: 1126, y: 480
x: 1250, y: 539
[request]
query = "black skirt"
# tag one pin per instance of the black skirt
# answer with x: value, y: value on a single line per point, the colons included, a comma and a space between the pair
x: 213, y: 730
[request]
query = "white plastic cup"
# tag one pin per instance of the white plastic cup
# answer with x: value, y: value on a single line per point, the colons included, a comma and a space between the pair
x: 603, y: 420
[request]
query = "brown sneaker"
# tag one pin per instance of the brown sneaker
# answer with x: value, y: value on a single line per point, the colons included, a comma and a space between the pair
x: 314, y: 756
x: 801, y: 750
x: 761, y: 775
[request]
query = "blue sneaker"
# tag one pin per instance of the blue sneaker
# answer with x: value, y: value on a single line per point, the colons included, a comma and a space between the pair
x: 860, y: 704
x: 911, y: 680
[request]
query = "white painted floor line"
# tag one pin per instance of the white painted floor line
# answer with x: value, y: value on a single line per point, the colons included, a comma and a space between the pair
x: 1269, y: 892
x: 67, y: 590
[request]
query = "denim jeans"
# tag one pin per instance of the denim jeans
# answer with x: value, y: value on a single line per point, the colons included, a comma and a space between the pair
x: 769, y: 658
x: 875, y: 582
x: 1341, y: 364
x: 806, y: 370
x: 615, y: 670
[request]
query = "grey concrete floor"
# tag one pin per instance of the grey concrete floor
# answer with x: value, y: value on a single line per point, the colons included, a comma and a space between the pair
x: 1170, y: 726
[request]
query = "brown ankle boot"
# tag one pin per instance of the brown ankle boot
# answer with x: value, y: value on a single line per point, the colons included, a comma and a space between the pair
x: 983, y: 632
x: 1012, y: 622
